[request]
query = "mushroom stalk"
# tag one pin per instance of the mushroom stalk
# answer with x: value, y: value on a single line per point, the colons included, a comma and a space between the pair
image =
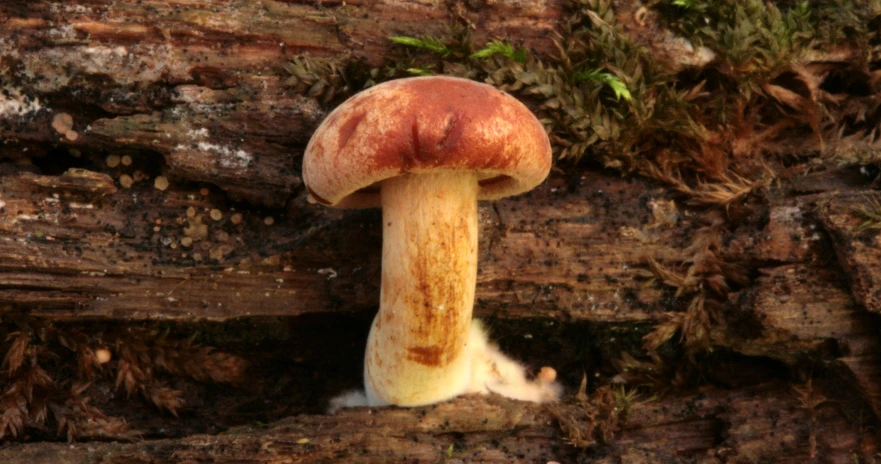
x: 417, y: 349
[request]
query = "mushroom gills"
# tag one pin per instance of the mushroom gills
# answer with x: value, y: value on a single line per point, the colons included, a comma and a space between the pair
x: 491, y: 372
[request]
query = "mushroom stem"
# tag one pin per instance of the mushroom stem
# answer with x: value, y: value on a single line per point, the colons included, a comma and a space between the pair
x: 416, y: 351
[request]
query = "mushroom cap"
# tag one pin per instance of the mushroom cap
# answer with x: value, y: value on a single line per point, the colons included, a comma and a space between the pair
x: 423, y: 124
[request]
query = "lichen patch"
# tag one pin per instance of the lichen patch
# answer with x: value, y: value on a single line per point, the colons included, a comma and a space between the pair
x: 229, y: 157
x: 14, y: 104
x: 198, y: 133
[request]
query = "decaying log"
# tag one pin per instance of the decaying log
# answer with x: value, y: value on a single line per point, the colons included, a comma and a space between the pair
x: 202, y: 83
x: 754, y: 424
x: 173, y: 193
x: 553, y: 253
x: 576, y: 252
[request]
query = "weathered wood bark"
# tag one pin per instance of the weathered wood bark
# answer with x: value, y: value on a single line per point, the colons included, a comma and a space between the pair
x: 194, y: 92
x: 712, y: 426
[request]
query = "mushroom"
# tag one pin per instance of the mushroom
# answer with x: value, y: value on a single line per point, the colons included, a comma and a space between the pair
x: 425, y: 149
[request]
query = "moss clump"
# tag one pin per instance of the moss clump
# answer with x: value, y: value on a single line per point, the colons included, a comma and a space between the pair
x: 750, y: 37
x: 590, y: 419
x: 757, y: 36
x: 49, y: 370
x: 792, y: 79
x: 708, y: 130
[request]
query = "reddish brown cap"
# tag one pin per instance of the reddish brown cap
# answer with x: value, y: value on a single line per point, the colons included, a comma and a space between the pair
x: 422, y: 124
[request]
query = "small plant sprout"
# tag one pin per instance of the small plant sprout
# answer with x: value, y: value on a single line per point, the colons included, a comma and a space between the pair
x: 424, y: 71
x: 497, y: 47
x: 614, y: 82
x: 427, y: 149
x: 432, y: 44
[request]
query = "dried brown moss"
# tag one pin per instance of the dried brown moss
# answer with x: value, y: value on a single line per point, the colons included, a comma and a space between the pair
x: 48, y: 370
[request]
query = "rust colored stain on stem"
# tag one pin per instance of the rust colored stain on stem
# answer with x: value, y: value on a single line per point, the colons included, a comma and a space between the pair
x: 426, y: 355
x: 416, y: 353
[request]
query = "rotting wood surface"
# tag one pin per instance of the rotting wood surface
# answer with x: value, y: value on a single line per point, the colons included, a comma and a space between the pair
x: 194, y: 92
x: 715, y: 424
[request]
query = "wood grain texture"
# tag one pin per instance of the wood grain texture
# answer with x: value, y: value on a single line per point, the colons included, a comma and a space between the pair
x: 754, y: 424
x: 856, y: 246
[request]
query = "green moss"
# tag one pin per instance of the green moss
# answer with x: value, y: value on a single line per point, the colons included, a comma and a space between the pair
x: 762, y: 36
x: 750, y: 36
x: 704, y: 131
